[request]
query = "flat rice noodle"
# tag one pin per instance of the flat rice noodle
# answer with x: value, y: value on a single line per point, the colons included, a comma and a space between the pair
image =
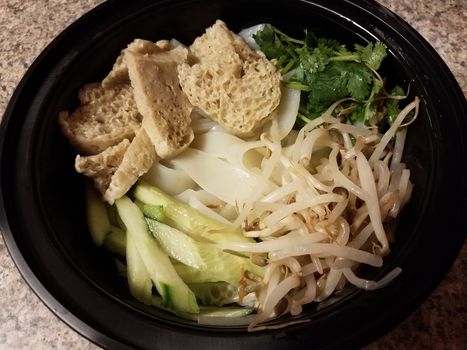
x: 220, y: 178
x: 203, y: 209
x: 286, y: 112
x: 171, y: 181
x: 203, y: 196
x: 206, y: 199
x: 236, y: 151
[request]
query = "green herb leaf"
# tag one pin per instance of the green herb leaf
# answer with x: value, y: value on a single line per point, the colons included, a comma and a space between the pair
x: 325, y: 70
x: 372, y: 55
x: 371, y: 105
x: 358, y: 115
x: 273, y: 46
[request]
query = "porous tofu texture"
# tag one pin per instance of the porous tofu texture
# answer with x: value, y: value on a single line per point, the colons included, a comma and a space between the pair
x: 160, y: 100
x: 235, y: 85
x: 117, y: 168
x: 106, y: 117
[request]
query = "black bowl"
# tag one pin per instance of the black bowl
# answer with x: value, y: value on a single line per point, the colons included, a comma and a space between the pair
x: 42, y: 214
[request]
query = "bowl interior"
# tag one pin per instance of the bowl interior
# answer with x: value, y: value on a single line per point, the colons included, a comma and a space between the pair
x: 53, y: 192
x: 62, y: 189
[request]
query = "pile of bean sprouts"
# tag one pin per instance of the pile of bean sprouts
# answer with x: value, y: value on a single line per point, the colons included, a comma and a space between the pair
x: 339, y: 187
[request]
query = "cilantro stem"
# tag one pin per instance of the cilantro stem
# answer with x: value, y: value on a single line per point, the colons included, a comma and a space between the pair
x: 289, y: 39
x: 355, y: 58
x: 297, y: 86
x: 288, y: 66
x: 303, y: 118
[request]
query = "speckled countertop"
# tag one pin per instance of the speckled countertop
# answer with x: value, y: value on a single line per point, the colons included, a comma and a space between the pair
x: 27, y: 26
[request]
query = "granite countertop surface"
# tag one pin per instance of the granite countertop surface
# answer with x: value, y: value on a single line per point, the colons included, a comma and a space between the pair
x: 27, y: 26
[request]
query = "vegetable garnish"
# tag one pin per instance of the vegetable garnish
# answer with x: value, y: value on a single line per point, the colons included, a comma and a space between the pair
x: 326, y: 71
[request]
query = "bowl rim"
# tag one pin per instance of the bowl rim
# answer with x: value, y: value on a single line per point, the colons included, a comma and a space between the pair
x: 63, y: 311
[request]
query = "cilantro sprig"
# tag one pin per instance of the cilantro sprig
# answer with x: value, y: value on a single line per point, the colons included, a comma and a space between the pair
x: 326, y: 71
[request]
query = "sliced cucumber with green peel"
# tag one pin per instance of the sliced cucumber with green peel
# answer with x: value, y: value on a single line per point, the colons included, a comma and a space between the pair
x: 215, y: 293
x: 209, y: 312
x: 176, y: 244
x: 96, y: 215
x: 220, y: 267
x: 174, y: 292
x: 139, y: 282
x: 187, y: 219
x: 155, y: 212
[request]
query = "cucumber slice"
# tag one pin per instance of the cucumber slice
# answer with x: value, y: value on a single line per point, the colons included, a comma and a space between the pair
x: 187, y: 219
x: 174, y: 292
x: 215, y: 293
x: 155, y: 212
x: 96, y: 215
x: 233, y: 315
x: 115, y: 242
x: 176, y: 244
x: 220, y: 267
x: 227, y: 317
x: 230, y: 311
x: 138, y: 278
